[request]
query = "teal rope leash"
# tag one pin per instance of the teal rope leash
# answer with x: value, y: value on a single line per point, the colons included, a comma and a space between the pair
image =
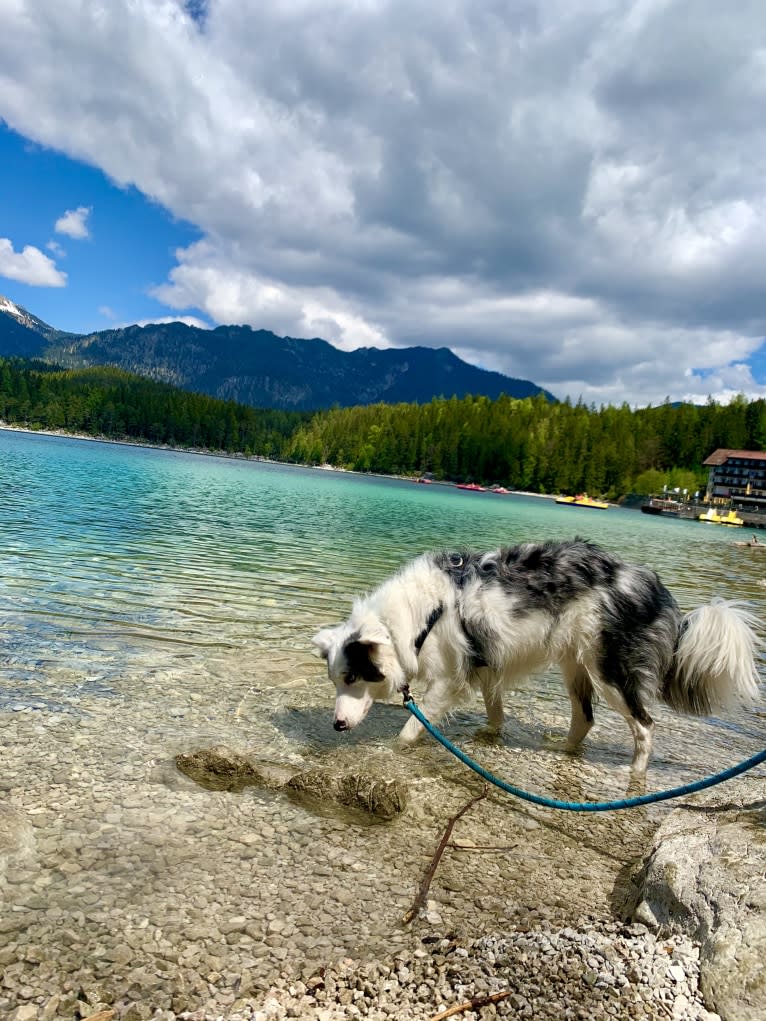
x: 582, y: 806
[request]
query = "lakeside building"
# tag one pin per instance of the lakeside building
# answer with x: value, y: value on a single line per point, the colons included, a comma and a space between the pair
x: 737, y: 478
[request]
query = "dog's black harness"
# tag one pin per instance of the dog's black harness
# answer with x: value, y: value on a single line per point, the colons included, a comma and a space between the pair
x: 457, y: 570
x: 433, y: 616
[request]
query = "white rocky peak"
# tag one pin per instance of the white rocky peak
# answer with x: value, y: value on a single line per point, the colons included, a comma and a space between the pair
x: 6, y: 305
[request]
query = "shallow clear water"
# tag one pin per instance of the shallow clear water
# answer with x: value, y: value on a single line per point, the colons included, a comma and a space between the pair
x: 153, y: 602
x: 119, y: 561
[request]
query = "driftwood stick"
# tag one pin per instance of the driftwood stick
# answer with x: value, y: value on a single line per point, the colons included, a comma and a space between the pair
x: 422, y: 893
x: 455, y: 845
x: 474, y: 1004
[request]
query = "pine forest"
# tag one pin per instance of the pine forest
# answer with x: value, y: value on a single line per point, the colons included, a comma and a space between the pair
x: 532, y: 444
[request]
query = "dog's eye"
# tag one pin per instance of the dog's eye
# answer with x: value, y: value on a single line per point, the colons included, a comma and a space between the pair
x: 350, y: 679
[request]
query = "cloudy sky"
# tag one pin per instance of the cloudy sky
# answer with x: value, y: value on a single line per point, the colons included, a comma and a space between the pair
x: 568, y: 191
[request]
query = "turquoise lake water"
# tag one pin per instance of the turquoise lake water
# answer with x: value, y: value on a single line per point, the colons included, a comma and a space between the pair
x: 117, y: 557
x: 154, y: 602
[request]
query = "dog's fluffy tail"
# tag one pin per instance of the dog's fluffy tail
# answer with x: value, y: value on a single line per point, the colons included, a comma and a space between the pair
x: 714, y: 666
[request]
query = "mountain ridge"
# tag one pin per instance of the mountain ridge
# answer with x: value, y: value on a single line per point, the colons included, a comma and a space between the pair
x: 257, y: 367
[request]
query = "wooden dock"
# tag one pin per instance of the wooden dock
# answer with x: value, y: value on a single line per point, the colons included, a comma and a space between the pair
x: 752, y: 519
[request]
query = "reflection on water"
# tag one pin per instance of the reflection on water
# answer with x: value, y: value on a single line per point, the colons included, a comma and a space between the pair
x: 154, y: 602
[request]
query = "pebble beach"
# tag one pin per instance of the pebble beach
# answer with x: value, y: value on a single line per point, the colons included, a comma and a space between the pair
x: 127, y: 887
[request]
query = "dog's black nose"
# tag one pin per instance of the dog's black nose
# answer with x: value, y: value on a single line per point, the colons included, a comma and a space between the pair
x: 340, y: 725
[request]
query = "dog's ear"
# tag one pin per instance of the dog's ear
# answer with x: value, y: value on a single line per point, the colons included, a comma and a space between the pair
x: 363, y: 648
x: 323, y: 640
x: 363, y: 660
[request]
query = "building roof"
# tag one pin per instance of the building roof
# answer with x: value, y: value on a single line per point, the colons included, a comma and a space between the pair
x: 722, y: 455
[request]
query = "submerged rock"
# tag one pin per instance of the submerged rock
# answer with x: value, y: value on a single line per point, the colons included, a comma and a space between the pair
x: 16, y: 833
x: 221, y: 769
x: 706, y: 875
x: 17, y: 841
x: 385, y: 799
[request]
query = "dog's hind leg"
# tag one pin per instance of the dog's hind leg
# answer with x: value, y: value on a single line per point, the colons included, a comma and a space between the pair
x: 580, y: 691
x: 643, y: 740
x: 641, y: 727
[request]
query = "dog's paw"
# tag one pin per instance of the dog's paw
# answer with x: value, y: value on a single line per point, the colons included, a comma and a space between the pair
x: 405, y: 742
x: 489, y: 736
x: 557, y: 739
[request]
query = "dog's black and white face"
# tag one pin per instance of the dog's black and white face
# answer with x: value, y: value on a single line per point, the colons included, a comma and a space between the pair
x: 363, y: 665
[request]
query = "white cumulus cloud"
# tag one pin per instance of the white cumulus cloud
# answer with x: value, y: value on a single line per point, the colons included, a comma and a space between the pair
x: 29, y: 266
x: 187, y: 320
x: 567, y: 191
x: 74, y: 223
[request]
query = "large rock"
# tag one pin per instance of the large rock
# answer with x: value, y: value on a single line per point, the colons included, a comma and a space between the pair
x: 706, y: 874
x: 221, y: 769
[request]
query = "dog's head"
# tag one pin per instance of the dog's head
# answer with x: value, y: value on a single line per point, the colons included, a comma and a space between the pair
x: 362, y: 664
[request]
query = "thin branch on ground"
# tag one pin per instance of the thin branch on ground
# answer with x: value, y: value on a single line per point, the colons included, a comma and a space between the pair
x: 475, y: 1004
x: 425, y: 885
x: 455, y: 845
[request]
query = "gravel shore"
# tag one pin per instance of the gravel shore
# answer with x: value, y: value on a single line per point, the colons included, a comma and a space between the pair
x: 598, y: 970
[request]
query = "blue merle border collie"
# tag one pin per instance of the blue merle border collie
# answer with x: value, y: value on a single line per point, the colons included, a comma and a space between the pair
x: 466, y: 622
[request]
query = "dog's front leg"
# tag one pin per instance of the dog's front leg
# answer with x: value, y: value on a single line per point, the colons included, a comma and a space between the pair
x: 492, y: 693
x: 410, y: 732
x: 435, y: 705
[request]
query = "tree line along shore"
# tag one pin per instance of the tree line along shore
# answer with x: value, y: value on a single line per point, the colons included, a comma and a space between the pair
x: 531, y: 444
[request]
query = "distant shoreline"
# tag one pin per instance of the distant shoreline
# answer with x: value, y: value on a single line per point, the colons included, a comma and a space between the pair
x: 205, y: 452
x: 7, y: 427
